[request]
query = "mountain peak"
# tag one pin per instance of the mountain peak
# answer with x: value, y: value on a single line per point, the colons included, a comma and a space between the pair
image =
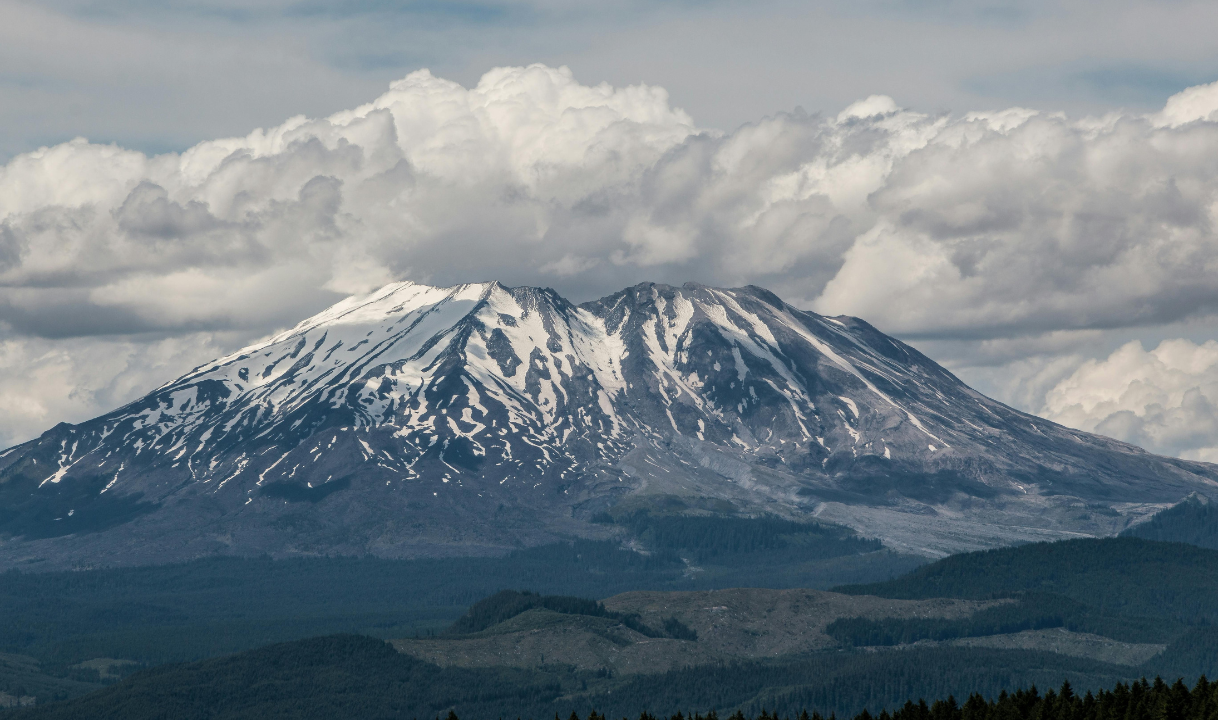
x: 387, y: 421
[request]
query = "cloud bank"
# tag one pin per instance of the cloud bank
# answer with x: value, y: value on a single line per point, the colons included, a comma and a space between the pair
x: 1165, y: 400
x: 987, y: 225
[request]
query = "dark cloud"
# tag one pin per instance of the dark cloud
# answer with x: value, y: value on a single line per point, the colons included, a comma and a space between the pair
x: 63, y: 314
x: 149, y: 212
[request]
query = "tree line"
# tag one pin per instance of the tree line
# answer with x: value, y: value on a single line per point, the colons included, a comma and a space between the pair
x: 1140, y: 700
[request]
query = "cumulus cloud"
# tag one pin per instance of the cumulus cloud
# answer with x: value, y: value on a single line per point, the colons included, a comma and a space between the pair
x: 1195, y: 103
x: 983, y: 224
x: 48, y: 382
x: 1165, y: 400
x: 431, y: 180
x: 986, y: 225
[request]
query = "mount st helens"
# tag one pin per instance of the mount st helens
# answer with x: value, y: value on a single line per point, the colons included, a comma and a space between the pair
x: 423, y: 421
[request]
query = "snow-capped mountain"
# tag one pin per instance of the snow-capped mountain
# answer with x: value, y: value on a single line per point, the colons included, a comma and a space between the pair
x: 423, y: 420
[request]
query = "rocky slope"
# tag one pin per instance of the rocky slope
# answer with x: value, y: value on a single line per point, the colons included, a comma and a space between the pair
x: 430, y: 421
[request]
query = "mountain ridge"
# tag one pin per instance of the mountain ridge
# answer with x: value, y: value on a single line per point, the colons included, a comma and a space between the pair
x: 468, y: 420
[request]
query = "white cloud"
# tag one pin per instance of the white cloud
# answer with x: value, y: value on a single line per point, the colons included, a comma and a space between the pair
x: 989, y: 225
x: 1165, y: 400
x: 429, y: 179
x: 876, y: 105
x: 1192, y: 104
x: 47, y: 382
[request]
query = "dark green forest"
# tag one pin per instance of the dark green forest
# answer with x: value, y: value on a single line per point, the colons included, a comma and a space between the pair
x: 507, y: 604
x: 211, y: 607
x: 206, y: 608
x: 1194, y: 521
x: 1026, y: 611
x: 1127, y: 589
x: 214, y: 606
x: 1140, y: 700
x: 353, y: 676
x: 1116, y: 576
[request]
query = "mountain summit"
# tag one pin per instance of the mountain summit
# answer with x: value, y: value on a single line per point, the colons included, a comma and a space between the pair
x: 434, y: 421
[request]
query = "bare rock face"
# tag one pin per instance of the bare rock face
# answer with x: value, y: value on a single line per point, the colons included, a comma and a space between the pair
x: 467, y: 420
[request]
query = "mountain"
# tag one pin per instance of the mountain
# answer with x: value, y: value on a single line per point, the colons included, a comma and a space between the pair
x: 423, y: 421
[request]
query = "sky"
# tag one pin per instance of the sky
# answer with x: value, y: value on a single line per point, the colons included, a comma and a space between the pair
x: 1026, y: 192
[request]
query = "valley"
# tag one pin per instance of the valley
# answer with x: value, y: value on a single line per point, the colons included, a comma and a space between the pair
x: 980, y: 622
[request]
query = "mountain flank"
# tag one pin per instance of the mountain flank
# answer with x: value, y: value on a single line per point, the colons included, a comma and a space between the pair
x: 420, y: 421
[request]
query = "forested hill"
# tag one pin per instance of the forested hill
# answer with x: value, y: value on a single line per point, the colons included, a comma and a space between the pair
x: 1194, y: 521
x: 1116, y: 576
x: 1129, y: 608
